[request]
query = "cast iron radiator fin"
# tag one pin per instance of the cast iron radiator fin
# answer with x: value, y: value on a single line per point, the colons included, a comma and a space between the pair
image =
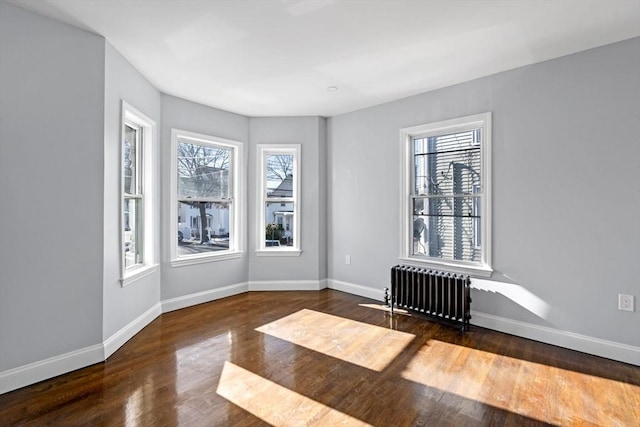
x: 435, y: 293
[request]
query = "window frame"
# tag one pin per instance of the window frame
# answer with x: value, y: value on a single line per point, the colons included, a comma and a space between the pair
x: 132, y: 117
x: 236, y: 200
x: 264, y: 150
x: 407, y: 136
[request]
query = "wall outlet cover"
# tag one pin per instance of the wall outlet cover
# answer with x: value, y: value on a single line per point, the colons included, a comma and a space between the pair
x: 625, y: 302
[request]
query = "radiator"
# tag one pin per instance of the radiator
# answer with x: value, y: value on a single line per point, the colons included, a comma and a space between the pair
x: 431, y: 292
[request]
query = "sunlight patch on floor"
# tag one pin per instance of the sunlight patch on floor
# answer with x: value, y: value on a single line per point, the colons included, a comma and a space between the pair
x: 275, y: 404
x: 368, y: 346
x: 382, y: 307
x: 549, y: 394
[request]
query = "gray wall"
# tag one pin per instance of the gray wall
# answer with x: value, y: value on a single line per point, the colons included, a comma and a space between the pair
x: 323, y: 235
x: 566, y: 201
x: 565, y: 212
x: 309, y: 133
x: 185, y: 115
x: 51, y: 180
x: 122, y: 81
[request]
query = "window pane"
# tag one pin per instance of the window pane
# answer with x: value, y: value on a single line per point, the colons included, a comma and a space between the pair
x: 279, y: 222
x: 132, y: 232
x: 130, y: 160
x: 203, y: 171
x: 446, y: 228
x: 477, y: 230
x: 196, y: 235
x: 447, y: 164
x: 279, y: 175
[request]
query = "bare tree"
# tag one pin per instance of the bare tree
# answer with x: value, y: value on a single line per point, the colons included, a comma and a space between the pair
x: 279, y: 166
x: 201, y: 175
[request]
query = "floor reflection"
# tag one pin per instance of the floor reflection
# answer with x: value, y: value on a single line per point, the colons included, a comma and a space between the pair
x: 197, y: 362
x: 280, y: 358
x: 133, y: 408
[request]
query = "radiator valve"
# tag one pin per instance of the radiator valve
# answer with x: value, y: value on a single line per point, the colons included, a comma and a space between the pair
x: 386, y: 297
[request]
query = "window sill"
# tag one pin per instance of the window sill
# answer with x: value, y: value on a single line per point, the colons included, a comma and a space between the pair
x: 201, y: 259
x: 474, y: 271
x: 138, y: 273
x: 278, y: 252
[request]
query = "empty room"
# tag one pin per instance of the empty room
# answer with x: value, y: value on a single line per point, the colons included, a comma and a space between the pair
x: 319, y: 212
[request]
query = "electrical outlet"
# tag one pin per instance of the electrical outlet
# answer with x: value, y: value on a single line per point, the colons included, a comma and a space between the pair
x: 625, y: 302
x: 347, y: 259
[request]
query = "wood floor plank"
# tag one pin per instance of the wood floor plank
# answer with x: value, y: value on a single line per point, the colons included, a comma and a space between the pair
x: 328, y: 358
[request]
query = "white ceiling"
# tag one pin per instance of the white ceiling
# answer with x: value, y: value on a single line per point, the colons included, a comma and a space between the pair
x: 277, y: 57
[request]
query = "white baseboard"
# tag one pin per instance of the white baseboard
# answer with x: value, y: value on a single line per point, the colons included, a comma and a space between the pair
x: 61, y: 364
x: 202, y: 297
x: 22, y: 376
x: 49, y: 368
x: 586, y: 344
x: 352, y: 288
x: 598, y: 347
x: 117, y: 340
x: 287, y: 285
x: 32, y: 373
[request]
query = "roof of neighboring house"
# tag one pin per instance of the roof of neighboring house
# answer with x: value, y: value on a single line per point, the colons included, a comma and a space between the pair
x: 285, y: 189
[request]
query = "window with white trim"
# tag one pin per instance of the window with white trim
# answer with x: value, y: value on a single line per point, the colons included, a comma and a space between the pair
x: 206, y: 186
x: 278, y: 220
x: 446, y: 194
x: 136, y: 235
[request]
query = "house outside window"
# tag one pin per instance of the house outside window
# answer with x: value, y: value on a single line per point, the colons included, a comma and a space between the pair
x: 206, y: 188
x: 136, y: 237
x: 446, y: 194
x: 278, y: 219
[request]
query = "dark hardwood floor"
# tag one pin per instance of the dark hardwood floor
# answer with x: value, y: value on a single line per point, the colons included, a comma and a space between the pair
x: 328, y: 358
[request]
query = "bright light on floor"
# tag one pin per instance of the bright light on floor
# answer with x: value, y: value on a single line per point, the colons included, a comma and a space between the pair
x: 550, y: 394
x: 275, y: 404
x: 368, y: 346
x: 385, y: 308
